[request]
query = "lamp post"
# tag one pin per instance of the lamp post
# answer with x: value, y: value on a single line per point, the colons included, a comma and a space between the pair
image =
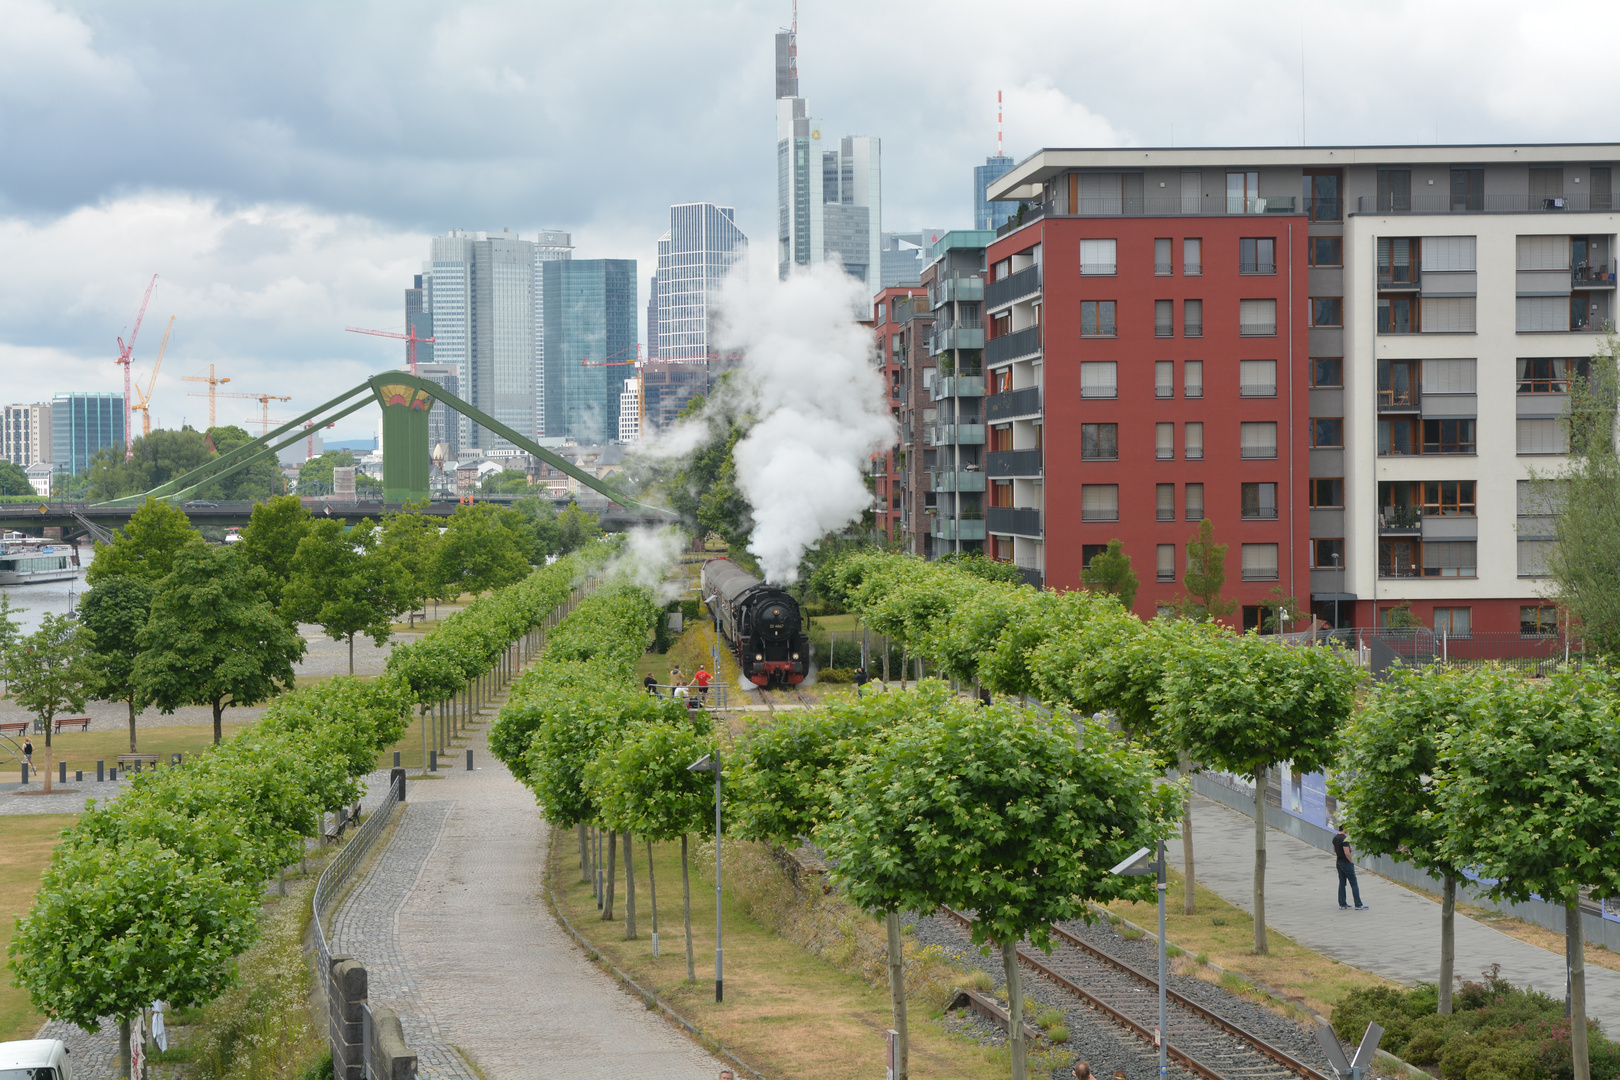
x: 711, y: 763
x: 1137, y: 865
x: 1338, y: 588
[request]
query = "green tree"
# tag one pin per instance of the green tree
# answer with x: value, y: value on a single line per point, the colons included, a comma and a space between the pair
x: 146, y: 547
x: 999, y: 811
x: 271, y: 539
x: 260, y: 480
x: 410, y: 544
x: 8, y: 635
x: 1110, y: 572
x: 212, y: 638
x: 506, y: 482
x: 1243, y: 704
x: 315, y: 475
x: 13, y: 481
x: 154, y: 459
x: 575, y: 529
x: 702, y: 487
x: 975, y: 563
x: 1528, y: 787
x: 51, y: 673
x: 115, y: 612
x: 344, y: 582
x: 1385, y: 787
x: 1205, y: 577
x: 477, y: 552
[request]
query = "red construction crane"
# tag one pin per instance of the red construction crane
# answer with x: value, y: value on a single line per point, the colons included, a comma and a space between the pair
x: 610, y: 362
x: 409, y: 337
x: 124, y: 354
x: 309, y: 450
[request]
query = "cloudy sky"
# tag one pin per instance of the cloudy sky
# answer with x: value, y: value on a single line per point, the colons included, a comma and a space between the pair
x: 281, y: 167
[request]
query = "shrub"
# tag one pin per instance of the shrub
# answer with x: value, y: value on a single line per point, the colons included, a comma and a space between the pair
x: 836, y: 675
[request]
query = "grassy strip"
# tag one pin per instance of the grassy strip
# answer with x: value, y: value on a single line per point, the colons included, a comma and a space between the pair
x: 26, y: 841
x: 82, y: 749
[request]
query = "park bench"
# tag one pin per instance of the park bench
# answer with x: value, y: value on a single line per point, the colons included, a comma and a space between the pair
x: 81, y: 722
x: 136, y: 760
x: 342, y: 818
x: 19, y: 727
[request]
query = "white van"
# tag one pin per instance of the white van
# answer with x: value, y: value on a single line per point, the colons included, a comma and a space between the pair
x: 35, y: 1059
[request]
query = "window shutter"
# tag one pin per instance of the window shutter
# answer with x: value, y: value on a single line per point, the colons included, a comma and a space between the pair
x: 1448, y: 314
x: 1259, y: 562
x: 1543, y: 253
x: 1099, y: 379
x: 1448, y: 376
x: 1449, y: 558
x: 1533, y: 555
x: 1448, y: 253
x: 1194, y: 445
x: 1257, y: 378
x: 1099, y: 502
x: 1536, y: 314
x: 1541, y: 436
x: 1259, y: 439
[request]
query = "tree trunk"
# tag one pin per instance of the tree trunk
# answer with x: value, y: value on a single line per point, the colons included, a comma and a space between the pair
x: 1260, y: 948
x: 686, y: 906
x: 613, y: 864
x: 652, y: 895
x: 903, y: 660
x: 629, y: 887
x: 132, y: 724
x: 1015, y: 1011
x: 123, y: 1047
x: 1575, y: 946
x: 1448, y: 940
x: 1188, y: 881
x: 897, y: 994
x: 351, y: 654
x: 584, y: 863
x: 219, y: 712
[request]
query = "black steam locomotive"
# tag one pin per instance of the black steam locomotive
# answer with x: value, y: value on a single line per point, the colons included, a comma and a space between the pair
x: 760, y: 622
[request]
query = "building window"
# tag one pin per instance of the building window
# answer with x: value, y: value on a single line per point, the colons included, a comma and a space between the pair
x: 1192, y: 378
x: 1394, y: 190
x: 1327, y: 432
x: 1097, y: 258
x: 1097, y: 318
x: 1322, y: 196
x: 1099, y: 502
x: 1164, y: 318
x: 1257, y: 318
x: 1448, y: 436
x: 1164, y: 378
x: 1539, y: 621
x: 1165, y: 501
x: 1397, y: 261
x: 1192, y: 318
x: 1550, y: 374
x: 1243, y: 193
x: 1397, y: 315
x: 1164, y: 441
x: 1448, y: 498
x: 1467, y: 190
x: 1541, y: 314
x: 1327, y: 311
x: 1325, y: 251
x: 1259, y: 502
x: 1089, y: 552
x: 1161, y: 257
x: 1195, y: 502
x: 1099, y: 442
x: 1327, y: 371
x: 1449, y: 558
x: 1194, y: 445
x: 1257, y: 378
x: 1001, y: 493
x: 1542, y: 435
x: 1398, y: 438
x: 1454, y: 622
x: 1327, y: 553
x: 1099, y: 379
x: 1192, y: 257
x: 1257, y: 255
x: 1167, y: 562
x: 1259, y: 562
x: 1258, y: 439
x: 1327, y: 492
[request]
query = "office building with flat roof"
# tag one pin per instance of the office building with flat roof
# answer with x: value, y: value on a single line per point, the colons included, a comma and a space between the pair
x: 590, y: 330
x: 987, y: 214
x: 700, y: 249
x: 25, y: 433
x: 82, y: 424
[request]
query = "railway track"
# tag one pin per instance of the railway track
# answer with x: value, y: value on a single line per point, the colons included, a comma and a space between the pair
x: 1205, y: 1042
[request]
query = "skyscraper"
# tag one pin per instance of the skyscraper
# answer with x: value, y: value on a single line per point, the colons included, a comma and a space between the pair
x: 694, y: 257
x: 987, y: 214
x: 829, y: 195
x: 590, y: 329
x: 905, y: 255
x: 419, y: 316
x: 549, y: 246
x: 82, y: 424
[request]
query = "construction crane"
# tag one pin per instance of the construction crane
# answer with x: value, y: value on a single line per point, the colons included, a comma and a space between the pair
x: 264, y: 401
x: 409, y: 337
x: 608, y: 361
x: 213, y: 383
x: 124, y: 354
x: 144, y: 404
x: 309, y: 450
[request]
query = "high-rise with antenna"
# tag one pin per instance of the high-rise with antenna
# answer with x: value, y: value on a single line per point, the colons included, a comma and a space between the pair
x: 829, y: 194
x: 986, y: 214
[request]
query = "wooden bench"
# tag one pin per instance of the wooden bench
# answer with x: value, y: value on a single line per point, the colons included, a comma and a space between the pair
x: 81, y: 722
x: 20, y: 727
x: 137, y: 760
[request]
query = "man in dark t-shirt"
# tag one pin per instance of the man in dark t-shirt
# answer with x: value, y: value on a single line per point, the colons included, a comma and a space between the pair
x: 1345, y: 855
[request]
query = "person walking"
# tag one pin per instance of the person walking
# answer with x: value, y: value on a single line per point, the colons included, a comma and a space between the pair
x: 1345, y: 854
x: 701, y: 679
x: 861, y: 679
x: 651, y: 683
x: 28, y: 756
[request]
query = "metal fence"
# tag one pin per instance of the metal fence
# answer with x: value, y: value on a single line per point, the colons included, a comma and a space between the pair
x: 1379, y: 648
x: 337, y: 871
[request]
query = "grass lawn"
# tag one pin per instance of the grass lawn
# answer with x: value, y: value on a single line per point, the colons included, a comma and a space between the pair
x: 787, y: 1012
x: 26, y: 841
x: 410, y: 745
x: 82, y: 749
x: 1224, y: 935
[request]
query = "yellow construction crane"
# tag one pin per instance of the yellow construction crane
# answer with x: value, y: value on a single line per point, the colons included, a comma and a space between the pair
x: 264, y: 401
x: 143, y: 401
x: 212, y: 384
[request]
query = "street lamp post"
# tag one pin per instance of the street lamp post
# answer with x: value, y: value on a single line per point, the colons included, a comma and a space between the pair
x: 1338, y: 587
x: 711, y: 763
x: 1136, y: 865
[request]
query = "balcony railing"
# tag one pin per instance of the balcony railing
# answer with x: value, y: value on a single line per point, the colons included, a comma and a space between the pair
x: 959, y: 286
x: 956, y: 435
x: 1258, y: 329
x: 1267, y: 267
x: 1324, y: 209
x: 1514, y: 203
x: 957, y: 337
x: 1027, y: 213
x: 1400, y: 520
x: 944, y: 528
x: 1400, y: 401
x: 957, y: 386
x: 1015, y: 521
x: 956, y: 480
x: 1003, y: 463
x: 1013, y: 287
x: 1592, y: 277
x: 1166, y: 206
x: 1011, y: 403
x: 1164, y: 269
x: 1008, y: 346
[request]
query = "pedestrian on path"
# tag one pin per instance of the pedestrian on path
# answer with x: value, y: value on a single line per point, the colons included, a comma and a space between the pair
x: 702, y: 678
x: 28, y: 756
x: 651, y: 683
x: 1345, y: 855
x: 861, y: 679
x: 675, y: 676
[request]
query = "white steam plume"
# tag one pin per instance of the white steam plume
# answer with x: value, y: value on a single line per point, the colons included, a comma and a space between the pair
x: 647, y: 557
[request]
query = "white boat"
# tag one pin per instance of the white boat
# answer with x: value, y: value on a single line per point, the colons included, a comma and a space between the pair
x: 25, y: 560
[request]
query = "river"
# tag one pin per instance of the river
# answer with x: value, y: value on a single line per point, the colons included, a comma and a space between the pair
x: 31, y: 602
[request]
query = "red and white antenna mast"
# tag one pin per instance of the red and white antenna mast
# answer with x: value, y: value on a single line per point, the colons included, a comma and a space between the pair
x: 793, y: 46
x: 998, y: 123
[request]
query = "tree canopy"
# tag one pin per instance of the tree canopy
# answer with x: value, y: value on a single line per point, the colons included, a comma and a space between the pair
x: 344, y: 581
x: 13, y: 481
x: 270, y: 541
x: 1110, y: 572
x: 146, y: 546
x: 115, y: 613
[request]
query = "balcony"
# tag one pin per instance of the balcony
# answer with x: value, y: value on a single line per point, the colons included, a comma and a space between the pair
x: 1409, y: 400
x: 955, y: 435
x: 1260, y: 204
x: 956, y: 480
x: 1399, y: 279
x: 957, y: 386
x: 1514, y: 203
x: 1266, y: 267
x: 947, y: 338
x: 1324, y: 209
x: 1258, y: 328
x: 1005, y: 463
x: 1018, y: 521
x: 1400, y: 521
x: 1026, y: 342
x: 1013, y: 403
x: 1013, y: 287
x: 944, y: 528
x: 1592, y: 277
x: 959, y: 286
x: 1027, y: 213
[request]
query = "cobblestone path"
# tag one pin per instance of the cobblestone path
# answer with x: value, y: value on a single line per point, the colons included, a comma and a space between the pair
x: 456, y: 938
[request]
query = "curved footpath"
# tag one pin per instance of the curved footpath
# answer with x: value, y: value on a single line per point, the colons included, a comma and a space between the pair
x: 457, y: 939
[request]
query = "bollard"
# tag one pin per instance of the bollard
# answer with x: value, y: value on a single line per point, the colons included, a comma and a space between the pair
x: 469, y: 759
x: 78, y: 776
x: 396, y: 759
x: 25, y: 773
x: 433, y: 761
x: 61, y: 772
x: 112, y: 774
x: 101, y: 772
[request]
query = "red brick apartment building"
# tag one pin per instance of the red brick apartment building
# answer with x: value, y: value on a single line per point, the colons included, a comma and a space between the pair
x: 892, y: 311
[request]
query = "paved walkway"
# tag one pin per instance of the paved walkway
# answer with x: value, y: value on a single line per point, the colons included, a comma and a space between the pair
x: 1399, y: 938
x: 451, y: 925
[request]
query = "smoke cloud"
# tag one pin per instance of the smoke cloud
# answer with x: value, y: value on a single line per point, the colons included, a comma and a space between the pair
x: 647, y: 557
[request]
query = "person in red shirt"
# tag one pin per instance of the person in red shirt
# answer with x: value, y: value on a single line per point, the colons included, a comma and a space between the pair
x: 702, y: 678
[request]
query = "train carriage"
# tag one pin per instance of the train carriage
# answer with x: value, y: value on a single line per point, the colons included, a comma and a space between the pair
x: 760, y: 623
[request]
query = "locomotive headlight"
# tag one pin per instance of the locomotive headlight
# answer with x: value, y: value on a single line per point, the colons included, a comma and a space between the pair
x: 759, y: 656
x: 795, y: 656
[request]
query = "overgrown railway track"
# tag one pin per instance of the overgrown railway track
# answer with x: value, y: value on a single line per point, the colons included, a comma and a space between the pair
x: 1199, y: 1038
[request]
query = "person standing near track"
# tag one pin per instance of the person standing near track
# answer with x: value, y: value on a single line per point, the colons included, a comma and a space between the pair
x: 701, y: 679
x: 1345, y: 856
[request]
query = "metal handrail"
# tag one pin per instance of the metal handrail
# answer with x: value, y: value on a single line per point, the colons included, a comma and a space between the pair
x: 337, y: 872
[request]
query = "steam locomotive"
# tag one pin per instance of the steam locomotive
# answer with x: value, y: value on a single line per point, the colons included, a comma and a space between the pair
x: 759, y: 622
